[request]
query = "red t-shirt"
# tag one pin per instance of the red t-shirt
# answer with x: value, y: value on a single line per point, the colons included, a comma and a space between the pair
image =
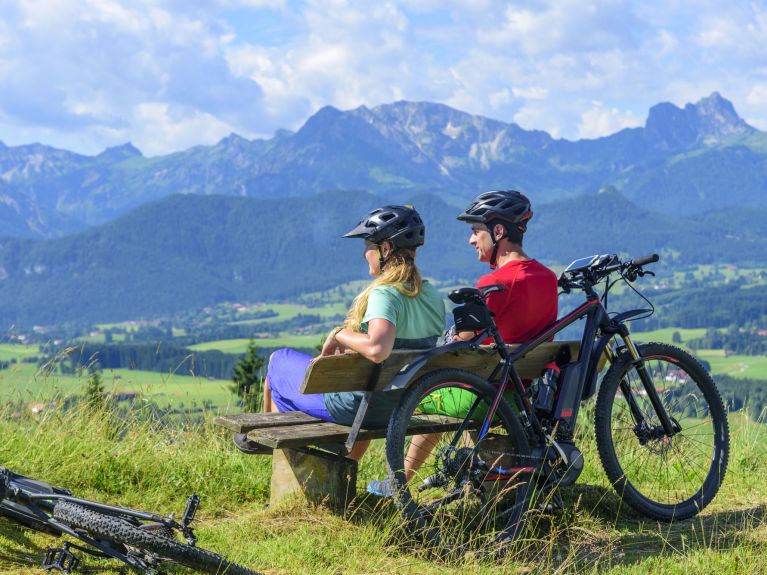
x: 529, y: 302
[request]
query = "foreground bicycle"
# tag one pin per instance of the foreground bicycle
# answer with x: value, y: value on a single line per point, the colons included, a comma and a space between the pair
x: 142, y: 540
x: 661, y: 427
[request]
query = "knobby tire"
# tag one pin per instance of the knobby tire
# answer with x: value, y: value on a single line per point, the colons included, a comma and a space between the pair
x: 665, y: 478
x: 445, y: 537
x: 118, y: 530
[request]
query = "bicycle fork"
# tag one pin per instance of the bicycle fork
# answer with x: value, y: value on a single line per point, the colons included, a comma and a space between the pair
x: 670, y: 428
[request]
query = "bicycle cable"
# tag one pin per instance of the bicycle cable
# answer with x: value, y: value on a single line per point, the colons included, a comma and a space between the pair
x: 640, y: 294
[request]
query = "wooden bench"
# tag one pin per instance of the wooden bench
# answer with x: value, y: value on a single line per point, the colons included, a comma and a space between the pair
x: 308, y: 453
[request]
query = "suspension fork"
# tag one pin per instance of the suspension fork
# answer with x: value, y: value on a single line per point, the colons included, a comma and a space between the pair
x: 636, y: 413
x: 639, y: 364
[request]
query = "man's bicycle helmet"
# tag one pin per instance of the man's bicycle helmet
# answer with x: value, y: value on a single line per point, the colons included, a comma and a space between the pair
x: 401, y: 225
x: 510, y: 208
x: 506, y: 207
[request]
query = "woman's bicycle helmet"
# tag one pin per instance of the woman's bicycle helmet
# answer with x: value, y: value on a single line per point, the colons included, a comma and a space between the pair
x: 401, y: 225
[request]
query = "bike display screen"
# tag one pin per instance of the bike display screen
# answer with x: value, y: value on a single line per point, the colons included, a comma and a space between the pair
x: 582, y: 264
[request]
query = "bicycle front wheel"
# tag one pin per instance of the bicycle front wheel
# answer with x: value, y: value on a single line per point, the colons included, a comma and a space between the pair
x: 115, y: 529
x: 458, y: 489
x: 665, y: 477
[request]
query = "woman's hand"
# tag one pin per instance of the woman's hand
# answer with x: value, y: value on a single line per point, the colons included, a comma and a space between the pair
x: 332, y: 346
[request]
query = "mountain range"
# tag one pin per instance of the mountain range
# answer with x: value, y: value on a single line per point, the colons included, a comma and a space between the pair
x: 686, y: 161
x: 120, y: 236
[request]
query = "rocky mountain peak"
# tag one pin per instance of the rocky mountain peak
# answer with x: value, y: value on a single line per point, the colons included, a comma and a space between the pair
x: 716, y: 117
x: 120, y: 153
x: 708, y: 121
x: 233, y: 142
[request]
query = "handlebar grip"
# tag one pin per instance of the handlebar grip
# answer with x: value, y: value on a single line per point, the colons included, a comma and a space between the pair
x: 644, y: 260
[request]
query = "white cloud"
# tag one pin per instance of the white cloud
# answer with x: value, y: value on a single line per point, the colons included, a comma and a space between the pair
x: 536, y: 117
x: 532, y: 93
x: 757, y: 95
x: 599, y: 121
x: 92, y: 72
x: 162, y: 128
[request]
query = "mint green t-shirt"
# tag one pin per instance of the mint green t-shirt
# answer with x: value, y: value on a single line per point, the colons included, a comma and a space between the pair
x: 417, y: 317
x: 419, y: 320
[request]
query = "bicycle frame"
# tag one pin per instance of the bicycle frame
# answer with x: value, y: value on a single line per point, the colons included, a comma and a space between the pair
x: 32, y: 502
x: 578, y: 380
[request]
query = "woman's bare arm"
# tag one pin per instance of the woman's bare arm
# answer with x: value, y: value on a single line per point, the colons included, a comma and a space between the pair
x: 376, y: 344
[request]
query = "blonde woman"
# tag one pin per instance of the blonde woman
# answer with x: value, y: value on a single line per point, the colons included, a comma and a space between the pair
x: 398, y: 310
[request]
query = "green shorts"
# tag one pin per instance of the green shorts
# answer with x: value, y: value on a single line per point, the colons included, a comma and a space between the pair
x: 454, y: 402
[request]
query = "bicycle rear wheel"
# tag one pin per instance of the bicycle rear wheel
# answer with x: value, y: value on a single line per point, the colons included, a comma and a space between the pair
x: 455, y: 491
x: 663, y: 477
x: 115, y: 529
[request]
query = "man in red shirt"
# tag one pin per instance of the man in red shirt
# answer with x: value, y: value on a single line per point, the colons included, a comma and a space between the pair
x: 529, y: 303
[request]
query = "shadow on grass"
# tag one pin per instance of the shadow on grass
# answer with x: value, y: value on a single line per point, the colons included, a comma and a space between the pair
x: 594, y: 527
x: 19, y: 551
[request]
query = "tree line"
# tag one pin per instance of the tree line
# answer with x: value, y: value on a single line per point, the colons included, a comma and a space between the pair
x: 733, y: 339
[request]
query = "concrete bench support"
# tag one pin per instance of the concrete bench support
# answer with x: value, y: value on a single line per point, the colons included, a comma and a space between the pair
x: 315, y: 476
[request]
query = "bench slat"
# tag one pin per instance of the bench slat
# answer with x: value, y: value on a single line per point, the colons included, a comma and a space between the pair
x: 245, y: 422
x: 326, y: 432
x: 351, y: 371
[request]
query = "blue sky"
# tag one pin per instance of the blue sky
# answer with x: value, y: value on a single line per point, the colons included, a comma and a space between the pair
x: 170, y: 74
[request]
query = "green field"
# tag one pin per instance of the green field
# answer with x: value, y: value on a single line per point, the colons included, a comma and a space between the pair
x: 742, y: 366
x: 29, y: 384
x: 239, y: 346
x: 288, y: 311
x: 665, y: 335
x: 17, y: 351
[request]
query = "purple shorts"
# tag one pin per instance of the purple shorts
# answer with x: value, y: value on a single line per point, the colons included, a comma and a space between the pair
x: 285, y: 374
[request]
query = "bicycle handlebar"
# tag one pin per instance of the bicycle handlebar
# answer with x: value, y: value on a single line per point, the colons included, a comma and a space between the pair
x: 603, y: 267
x: 644, y: 260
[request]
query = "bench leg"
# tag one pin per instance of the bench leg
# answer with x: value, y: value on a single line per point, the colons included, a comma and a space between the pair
x: 316, y: 476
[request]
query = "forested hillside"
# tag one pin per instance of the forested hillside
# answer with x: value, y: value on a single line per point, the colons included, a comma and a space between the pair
x: 190, y: 251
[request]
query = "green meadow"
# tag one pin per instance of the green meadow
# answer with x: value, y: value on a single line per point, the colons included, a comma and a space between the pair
x: 238, y: 346
x: 30, y: 384
x: 156, y: 469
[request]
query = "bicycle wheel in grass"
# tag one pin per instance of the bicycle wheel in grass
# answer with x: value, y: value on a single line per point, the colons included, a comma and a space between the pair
x: 157, y: 544
x: 454, y: 491
x: 663, y: 477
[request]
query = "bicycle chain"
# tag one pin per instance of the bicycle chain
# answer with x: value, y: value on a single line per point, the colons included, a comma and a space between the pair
x: 517, y: 456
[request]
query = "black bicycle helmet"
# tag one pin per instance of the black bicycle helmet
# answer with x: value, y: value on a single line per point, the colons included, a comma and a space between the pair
x: 507, y: 207
x: 401, y: 225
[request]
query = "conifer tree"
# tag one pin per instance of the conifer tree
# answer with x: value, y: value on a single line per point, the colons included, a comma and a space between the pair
x: 94, y: 389
x: 248, y: 378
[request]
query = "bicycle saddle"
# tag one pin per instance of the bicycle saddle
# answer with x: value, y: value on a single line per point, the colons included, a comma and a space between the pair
x: 468, y: 294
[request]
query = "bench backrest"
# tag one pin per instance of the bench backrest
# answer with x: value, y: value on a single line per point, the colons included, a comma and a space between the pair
x: 352, y: 372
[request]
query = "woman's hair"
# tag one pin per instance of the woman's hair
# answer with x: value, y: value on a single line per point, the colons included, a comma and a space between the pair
x: 399, y: 271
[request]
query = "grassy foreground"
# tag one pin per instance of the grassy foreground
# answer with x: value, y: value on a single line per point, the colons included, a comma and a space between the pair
x: 138, y: 466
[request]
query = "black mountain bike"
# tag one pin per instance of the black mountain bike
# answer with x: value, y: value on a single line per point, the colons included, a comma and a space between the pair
x: 142, y: 540
x: 661, y: 428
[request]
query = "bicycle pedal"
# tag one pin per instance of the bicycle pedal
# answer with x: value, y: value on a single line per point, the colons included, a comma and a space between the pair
x: 60, y: 559
x: 552, y: 503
